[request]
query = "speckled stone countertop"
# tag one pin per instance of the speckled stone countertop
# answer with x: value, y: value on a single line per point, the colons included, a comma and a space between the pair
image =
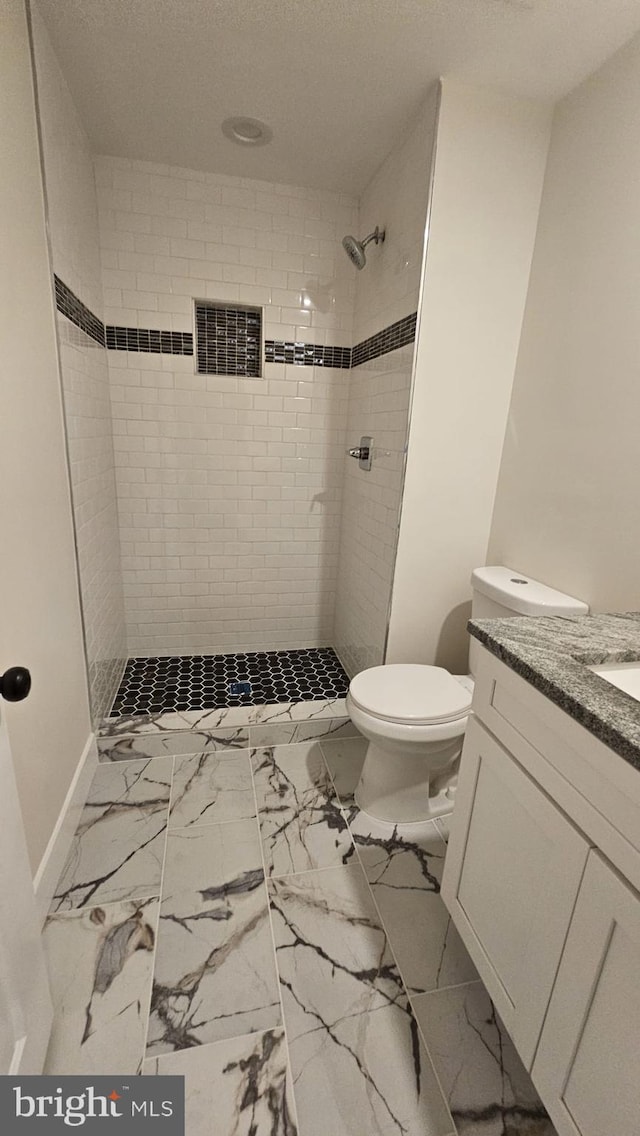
x: 553, y: 654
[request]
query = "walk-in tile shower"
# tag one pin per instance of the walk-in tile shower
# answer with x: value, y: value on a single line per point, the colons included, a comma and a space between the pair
x: 220, y: 355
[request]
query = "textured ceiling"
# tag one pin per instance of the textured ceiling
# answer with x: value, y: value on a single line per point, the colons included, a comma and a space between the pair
x: 337, y: 80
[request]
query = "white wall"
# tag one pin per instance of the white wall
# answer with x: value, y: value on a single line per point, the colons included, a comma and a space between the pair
x: 70, y: 183
x: 489, y: 167
x: 228, y: 488
x: 40, y: 625
x: 567, y: 507
x: 386, y: 291
x: 73, y: 230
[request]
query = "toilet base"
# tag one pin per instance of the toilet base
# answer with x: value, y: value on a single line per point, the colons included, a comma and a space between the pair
x: 401, y: 791
x: 439, y: 806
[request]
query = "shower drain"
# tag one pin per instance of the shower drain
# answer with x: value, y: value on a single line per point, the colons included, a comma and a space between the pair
x: 239, y: 688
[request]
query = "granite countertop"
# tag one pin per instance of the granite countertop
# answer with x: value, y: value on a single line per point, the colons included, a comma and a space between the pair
x: 553, y: 653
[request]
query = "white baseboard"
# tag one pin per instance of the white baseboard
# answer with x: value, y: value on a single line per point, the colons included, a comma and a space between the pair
x: 57, y: 850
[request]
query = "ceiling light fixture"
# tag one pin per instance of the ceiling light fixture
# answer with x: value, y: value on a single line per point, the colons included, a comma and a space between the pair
x: 247, y: 131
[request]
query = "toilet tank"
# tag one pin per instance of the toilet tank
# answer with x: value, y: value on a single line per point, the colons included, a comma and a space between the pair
x: 499, y: 592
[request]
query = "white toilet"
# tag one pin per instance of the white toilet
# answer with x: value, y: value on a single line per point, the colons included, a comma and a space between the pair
x: 415, y: 715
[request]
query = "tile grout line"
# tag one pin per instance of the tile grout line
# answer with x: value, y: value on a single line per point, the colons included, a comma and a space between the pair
x: 445, y: 989
x: 71, y: 912
x: 203, y: 753
x: 320, y: 740
x: 137, y: 899
x: 445, y: 840
x: 146, y: 1038
x: 393, y: 955
x: 314, y: 871
x: 318, y: 868
x: 409, y: 999
x: 226, y: 753
x: 213, y: 1045
x: 98, y: 771
x: 274, y: 948
x: 300, y: 741
x: 427, y: 994
x: 212, y: 823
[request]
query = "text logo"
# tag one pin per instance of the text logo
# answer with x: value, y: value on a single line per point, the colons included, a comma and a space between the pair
x: 136, y: 1106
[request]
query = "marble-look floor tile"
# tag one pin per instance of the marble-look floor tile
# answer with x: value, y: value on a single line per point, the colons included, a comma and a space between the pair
x: 301, y: 823
x: 176, y: 720
x: 211, y: 787
x: 404, y: 865
x: 118, y: 847
x: 345, y: 758
x: 300, y: 711
x: 357, y: 1060
x: 291, y: 733
x: 488, y: 1089
x: 100, y: 964
x: 240, y: 1087
x: 214, y: 972
x: 171, y: 743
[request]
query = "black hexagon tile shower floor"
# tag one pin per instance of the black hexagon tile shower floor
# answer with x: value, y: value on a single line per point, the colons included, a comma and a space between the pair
x: 205, y: 682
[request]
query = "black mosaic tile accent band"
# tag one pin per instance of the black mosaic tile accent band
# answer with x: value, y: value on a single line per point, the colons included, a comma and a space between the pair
x: 397, y: 335
x: 120, y: 338
x: 228, y: 340
x: 149, y: 340
x: 206, y: 682
x: 70, y: 306
x: 306, y: 354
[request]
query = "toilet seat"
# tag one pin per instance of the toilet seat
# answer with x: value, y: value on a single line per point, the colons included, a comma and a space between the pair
x: 410, y: 693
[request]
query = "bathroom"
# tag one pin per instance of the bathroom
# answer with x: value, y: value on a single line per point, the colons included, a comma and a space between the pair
x: 285, y: 363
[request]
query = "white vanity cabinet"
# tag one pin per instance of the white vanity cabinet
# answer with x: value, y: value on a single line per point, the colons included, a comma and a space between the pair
x: 588, y: 1061
x: 512, y: 876
x: 541, y: 880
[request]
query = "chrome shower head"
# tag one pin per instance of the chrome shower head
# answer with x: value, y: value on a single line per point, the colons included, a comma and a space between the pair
x: 355, y: 249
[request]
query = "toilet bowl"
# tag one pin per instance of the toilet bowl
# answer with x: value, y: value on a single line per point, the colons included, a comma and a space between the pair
x: 414, y: 718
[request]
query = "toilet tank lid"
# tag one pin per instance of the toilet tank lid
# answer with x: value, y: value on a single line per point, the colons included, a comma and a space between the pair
x: 522, y: 594
x: 410, y: 692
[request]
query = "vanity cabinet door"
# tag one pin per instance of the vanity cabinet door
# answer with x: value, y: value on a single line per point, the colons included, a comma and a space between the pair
x: 512, y: 874
x: 586, y: 1067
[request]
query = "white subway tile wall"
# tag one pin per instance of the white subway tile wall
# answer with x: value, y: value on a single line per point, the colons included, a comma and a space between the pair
x: 91, y: 462
x: 396, y: 199
x: 387, y: 289
x: 379, y: 406
x: 73, y: 228
x: 229, y: 489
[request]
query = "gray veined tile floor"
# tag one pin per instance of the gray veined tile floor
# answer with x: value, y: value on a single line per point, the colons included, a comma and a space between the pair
x: 226, y: 913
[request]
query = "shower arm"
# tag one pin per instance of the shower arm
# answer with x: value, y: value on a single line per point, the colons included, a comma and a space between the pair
x: 376, y: 236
